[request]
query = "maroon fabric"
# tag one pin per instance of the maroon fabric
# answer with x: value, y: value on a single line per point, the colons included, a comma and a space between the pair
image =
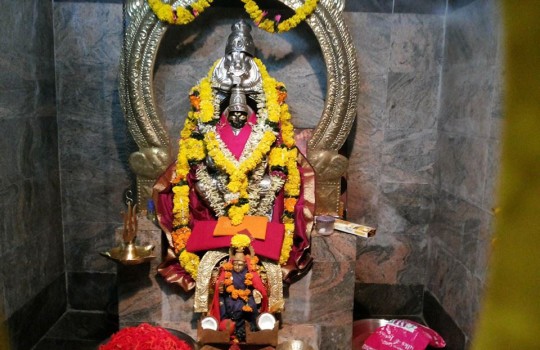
x: 279, y: 207
x: 301, y: 241
x: 164, y: 202
x: 214, y: 307
x: 172, y: 272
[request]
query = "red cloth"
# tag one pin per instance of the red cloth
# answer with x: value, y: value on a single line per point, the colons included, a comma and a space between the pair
x: 202, y: 238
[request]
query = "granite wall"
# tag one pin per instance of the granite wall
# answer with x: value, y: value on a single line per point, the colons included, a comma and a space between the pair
x: 32, y: 282
x: 390, y: 180
x: 94, y: 144
x: 467, y: 163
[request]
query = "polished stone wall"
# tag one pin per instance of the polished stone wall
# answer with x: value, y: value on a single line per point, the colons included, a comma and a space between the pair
x: 32, y: 283
x: 391, y: 171
x: 469, y: 129
x: 94, y: 144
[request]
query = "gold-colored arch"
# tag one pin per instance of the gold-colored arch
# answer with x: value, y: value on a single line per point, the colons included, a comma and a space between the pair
x: 142, y: 38
x: 204, y: 274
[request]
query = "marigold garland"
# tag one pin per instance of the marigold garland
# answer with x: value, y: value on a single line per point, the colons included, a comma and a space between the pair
x: 180, y: 206
x: 292, y: 186
x: 269, y: 87
x: 206, y: 111
x: 181, y: 15
x: 238, y: 293
x: 190, y: 263
x: 271, y: 26
x: 287, y: 245
x: 180, y: 238
x: 290, y: 203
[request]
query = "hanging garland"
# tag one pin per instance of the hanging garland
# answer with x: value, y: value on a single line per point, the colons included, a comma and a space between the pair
x: 181, y: 15
x: 271, y: 26
x: 194, y: 148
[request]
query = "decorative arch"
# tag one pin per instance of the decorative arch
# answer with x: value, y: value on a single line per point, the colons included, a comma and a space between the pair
x: 141, y: 42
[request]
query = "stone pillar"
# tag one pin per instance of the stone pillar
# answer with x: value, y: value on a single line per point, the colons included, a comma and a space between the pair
x: 319, y: 307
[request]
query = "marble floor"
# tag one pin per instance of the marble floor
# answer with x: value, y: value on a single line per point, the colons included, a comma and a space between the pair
x: 80, y: 330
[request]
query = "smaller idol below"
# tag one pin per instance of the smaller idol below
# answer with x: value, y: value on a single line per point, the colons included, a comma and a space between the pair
x: 240, y: 295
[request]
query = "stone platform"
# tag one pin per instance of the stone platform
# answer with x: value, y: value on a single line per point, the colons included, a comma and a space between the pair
x: 318, y: 308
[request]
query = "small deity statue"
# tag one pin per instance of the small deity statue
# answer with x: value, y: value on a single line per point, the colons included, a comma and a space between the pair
x: 240, y: 292
x: 237, y: 170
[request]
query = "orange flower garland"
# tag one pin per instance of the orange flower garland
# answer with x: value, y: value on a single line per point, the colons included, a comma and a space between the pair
x: 238, y: 293
x: 180, y: 238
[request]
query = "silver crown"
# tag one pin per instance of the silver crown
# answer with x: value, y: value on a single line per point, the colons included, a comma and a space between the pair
x: 240, y: 39
x: 238, y: 101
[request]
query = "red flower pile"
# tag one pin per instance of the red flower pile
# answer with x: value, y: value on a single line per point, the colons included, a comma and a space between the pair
x: 145, y: 337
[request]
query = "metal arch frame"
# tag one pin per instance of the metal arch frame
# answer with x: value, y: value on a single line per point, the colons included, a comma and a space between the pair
x: 141, y: 41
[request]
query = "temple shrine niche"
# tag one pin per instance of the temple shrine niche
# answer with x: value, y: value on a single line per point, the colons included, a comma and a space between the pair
x: 235, y: 207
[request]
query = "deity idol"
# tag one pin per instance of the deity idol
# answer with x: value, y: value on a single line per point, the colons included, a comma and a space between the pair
x: 240, y: 294
x: 237, y: 170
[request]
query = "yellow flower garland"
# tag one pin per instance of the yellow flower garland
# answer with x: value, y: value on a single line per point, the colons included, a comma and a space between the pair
x: 287, y: 244
x: 258, y: 16
x: 283, y: 157
x: 238, y: 175
x: 193, y: 149
x: 190, y: 263
x: 181, y: 15
x: 206, y: 113
x: 269, y: 88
